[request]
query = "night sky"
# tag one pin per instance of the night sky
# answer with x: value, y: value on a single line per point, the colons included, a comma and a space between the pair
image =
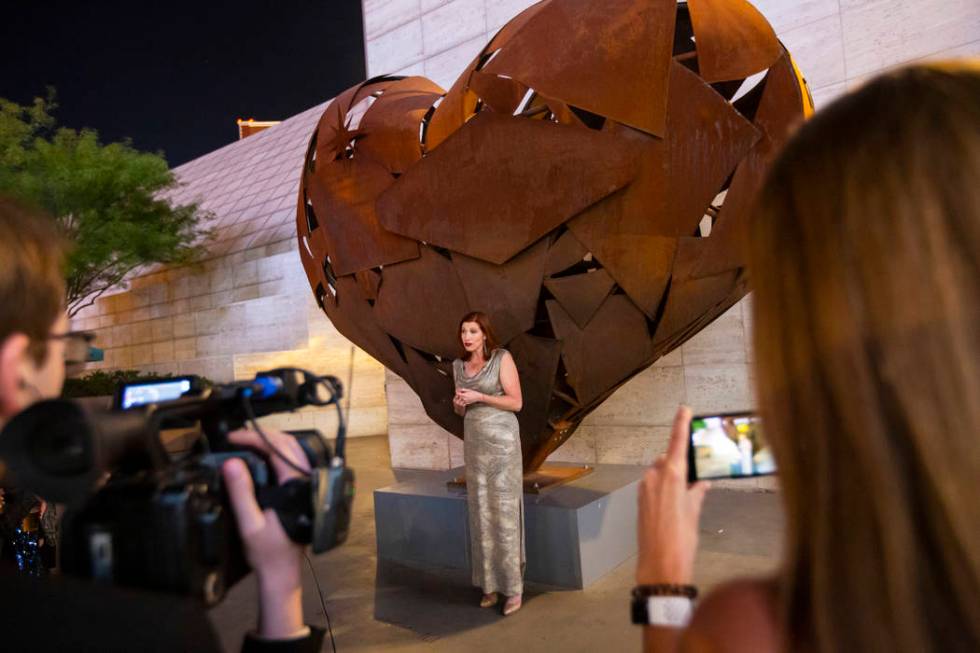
x: 173, y: 76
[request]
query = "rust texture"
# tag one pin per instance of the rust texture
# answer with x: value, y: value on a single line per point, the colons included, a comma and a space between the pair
x: 586, y: 181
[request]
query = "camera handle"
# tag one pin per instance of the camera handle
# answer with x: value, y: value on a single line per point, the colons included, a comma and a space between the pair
x: 313, y: 510
x: 291, y: 503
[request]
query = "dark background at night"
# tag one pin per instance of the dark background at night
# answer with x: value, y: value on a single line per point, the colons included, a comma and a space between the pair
x: 174, y: 76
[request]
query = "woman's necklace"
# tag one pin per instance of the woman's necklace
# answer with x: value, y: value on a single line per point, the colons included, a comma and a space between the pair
x: 471, y: 372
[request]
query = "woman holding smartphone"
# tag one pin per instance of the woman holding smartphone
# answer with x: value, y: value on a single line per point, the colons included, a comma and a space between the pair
x: 488, y: 393
x: 864, y: 266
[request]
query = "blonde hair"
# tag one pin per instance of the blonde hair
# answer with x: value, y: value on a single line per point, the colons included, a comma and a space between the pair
x: 866, y: 306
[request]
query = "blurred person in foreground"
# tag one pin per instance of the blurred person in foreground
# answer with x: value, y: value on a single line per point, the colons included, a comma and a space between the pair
x: 52, y: 614
x: 865, y: 265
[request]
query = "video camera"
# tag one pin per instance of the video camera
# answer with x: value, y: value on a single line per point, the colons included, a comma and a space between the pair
x: 139, y: 516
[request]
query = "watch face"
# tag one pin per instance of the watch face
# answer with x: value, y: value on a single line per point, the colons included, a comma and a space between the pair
x: 670, y: 611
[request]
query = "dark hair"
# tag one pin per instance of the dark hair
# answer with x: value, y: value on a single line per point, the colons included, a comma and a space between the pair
x: 32, y: 285
x: 866, y: 303
x: 484, y: 322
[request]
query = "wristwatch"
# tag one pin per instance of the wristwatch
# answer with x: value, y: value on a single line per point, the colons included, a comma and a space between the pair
x: 663, y: 605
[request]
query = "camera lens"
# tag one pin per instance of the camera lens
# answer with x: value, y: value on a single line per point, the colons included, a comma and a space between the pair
x: 63, y: 447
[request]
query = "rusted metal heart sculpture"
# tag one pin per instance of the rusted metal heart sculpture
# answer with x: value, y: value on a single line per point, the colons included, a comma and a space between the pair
x: 585, y: 182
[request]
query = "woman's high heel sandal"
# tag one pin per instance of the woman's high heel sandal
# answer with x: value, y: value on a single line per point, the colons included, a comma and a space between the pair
x: 512, y: 605
x: 489, y: 600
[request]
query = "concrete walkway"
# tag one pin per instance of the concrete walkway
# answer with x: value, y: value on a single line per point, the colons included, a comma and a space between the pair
x: 740, y: 534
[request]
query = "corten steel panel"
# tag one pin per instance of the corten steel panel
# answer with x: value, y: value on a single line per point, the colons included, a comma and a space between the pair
x: 780, y: 108
x: 389, y: 129
x: 331, y: 135
x: 353, y: 316
x: 333, y: 132
x: 509, y: 292
x: 436, y: 390
x: 537, y: 359
x: 558, y: 186
x: 420, y: 303
x: 611, y: 58
x: 303, y: 238
x: 607, y: 351
x: 639, y: 262
x: 561, y: 112
x: 724, y: 249
x: 689, y: 299
x: 565, y: 252
x: 693, y: 303
x: 581, y: 294
x: 733, y: 39
x: 698, y: 167
x: 690, y: 250
x: 783, y: 104
x: 515, y: 24
x: 456, y: 108
x: 489, y: 190
x: 345, y: 192
x: 500, y: 94
x: 624, y: 232
x: 461, y: 101
x: 370, y: 282
x: 736, y: 290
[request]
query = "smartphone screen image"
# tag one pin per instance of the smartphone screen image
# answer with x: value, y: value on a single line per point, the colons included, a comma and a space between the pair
x: 729, y: 445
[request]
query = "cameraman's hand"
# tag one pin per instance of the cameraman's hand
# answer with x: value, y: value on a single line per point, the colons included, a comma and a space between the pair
x: 669, y: 513
x: 274, y: 557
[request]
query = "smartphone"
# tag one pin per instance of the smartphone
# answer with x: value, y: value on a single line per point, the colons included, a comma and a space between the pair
x: 728, y: 445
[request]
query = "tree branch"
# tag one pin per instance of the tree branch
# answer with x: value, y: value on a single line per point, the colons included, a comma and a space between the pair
x: 75, y: 305
x: 77, y: 287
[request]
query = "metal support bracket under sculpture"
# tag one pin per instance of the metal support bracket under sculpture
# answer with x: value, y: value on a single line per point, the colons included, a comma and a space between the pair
x: 586, y: 182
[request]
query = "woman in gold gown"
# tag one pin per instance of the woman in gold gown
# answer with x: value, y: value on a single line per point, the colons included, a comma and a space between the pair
x: 488, y: 393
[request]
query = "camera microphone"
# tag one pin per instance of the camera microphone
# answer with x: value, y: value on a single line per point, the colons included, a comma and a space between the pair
x: 263, y: 387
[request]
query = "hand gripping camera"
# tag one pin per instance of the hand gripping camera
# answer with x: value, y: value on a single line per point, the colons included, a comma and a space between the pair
x: 138, y: 516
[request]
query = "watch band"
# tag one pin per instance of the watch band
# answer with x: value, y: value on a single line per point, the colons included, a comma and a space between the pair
x: 665, y: 589
x: 670, y: 611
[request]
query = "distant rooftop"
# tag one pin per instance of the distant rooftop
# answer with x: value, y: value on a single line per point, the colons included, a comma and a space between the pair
x: 251, y: 127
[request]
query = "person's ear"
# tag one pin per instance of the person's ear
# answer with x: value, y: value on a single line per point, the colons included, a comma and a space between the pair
x: 14, y: 369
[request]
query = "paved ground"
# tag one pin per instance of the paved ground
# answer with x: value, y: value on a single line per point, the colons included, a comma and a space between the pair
x: 740, y: 534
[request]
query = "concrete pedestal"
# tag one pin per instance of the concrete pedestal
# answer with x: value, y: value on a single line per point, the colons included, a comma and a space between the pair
x: 575, y: 533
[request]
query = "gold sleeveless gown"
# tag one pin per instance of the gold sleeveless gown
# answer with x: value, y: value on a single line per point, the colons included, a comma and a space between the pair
x: 494, y: 484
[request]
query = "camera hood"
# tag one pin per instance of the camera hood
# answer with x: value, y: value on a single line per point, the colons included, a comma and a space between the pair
x: 62, y: 450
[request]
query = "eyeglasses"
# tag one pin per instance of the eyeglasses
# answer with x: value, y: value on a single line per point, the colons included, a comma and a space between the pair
x: 78, y: 347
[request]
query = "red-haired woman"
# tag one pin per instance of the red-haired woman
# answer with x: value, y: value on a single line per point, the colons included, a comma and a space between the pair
x: 488, y: 393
